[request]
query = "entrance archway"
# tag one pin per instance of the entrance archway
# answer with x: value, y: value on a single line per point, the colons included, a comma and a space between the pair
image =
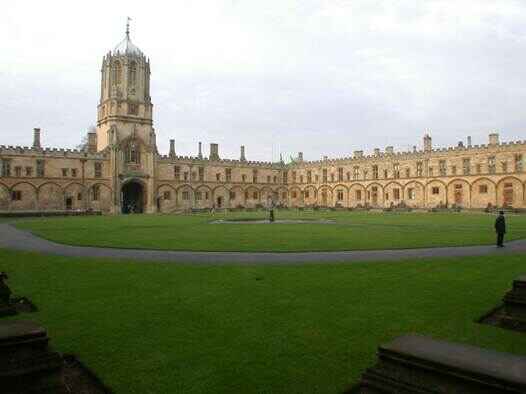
x: 132, y: 197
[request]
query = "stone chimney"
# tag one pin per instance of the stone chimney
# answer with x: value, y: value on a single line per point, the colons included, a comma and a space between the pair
x: 300, y: 156
x: 172, y: 148
x: 389, y: 150
x: 200, y: 152
x: 36, y: 138
x: 428, y: 146
x: 242, y: 156
x: 494, y: 139
x: 358, y: 154
x: 214, y: 152
x: 469, y: 141
x: 460, y: 144
x: 414, y: 148
x: 377, y: 151
x: 92, y: 142
x: 325, y: 157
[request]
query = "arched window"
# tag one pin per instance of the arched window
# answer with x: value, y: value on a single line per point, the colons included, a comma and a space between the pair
x: 133, y: 73
x: 117, y: 73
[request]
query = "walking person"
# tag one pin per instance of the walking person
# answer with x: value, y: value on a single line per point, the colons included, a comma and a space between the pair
x: 500, y: 229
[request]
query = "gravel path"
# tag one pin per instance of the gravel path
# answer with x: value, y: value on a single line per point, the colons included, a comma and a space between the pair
x: 13, y: 238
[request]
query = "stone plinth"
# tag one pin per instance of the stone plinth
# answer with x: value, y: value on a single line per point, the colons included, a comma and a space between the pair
x: 27, y: 364
x: 511, y: 313
x: 418, y: 364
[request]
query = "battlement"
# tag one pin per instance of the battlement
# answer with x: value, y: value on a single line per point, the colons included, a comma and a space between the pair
x: 415, y: 154
x: 206, y: 160
x: 51, y: 152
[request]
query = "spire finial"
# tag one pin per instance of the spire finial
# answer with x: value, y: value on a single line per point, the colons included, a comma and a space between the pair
x: 128, y: 19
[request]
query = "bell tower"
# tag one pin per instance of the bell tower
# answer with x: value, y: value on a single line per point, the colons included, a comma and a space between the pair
x: 125, y: 105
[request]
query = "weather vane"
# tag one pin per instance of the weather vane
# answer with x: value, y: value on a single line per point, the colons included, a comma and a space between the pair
x: 128, y: 19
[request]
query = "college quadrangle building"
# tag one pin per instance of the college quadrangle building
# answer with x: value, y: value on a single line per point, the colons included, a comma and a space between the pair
x: 120, y: 169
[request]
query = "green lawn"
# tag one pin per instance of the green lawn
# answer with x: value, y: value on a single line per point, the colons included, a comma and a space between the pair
x: 167, y: 328
x: 352, y: 231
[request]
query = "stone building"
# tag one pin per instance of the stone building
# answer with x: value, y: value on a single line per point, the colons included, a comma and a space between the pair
x: 120, y: 169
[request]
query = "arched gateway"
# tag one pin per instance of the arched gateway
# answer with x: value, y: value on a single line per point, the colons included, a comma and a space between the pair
x: 132, y: 197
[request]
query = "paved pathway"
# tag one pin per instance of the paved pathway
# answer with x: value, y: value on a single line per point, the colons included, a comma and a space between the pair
x: 13, y: 238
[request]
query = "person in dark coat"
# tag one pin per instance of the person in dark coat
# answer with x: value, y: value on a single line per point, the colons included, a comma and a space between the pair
x: 500, y: 229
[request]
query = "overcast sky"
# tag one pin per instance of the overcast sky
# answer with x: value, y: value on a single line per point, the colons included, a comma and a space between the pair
x: 322, y: 77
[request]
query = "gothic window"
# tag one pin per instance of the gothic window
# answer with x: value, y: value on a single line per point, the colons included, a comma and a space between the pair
x: 177, y: 172
x: 375, y: 172
x: 117, y: 73
x: 340, y: 174
x: 504, y: 166
x: 96, y: 192
x: 6, y: 167
x: 385, y: 174
x: 255, y: 176
x: 232, y: 195
x: 167, y: 195
x: 228, y: 174
x: 74, y: 172
x: 40, y: 168
x: 324, y: 176
x: 301, y: 178
x: 244, y: 178
x: 285, y: 177
x: 396, y: 170
x: 268, y: 178
x: 407, y: 172
x: 65, y: 172
x: 293, y: 176
x: 218, y: 177
x: 306, y: 194
x: 275, y: 179
x: 133, y: 73
x: 133, y: 109
x: 185, y: 176
x: 483, y: 189
x: 201, y: 174
x: 396, y: 194
x: 18, y: 171
x: 29, y: 171
x: 356, y: 173
x: 255, y: 195
x: 435, y: 190
x: 419, y: 170
x: 358, y: 194
x: 198, y: 196
x: 309, y: 176
x: 186, y: 195
x: 339, y: 195
x: 411, y: 193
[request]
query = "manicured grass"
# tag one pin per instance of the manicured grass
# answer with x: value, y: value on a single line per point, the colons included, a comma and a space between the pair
x: 166, y: 328
x: 351, y: 231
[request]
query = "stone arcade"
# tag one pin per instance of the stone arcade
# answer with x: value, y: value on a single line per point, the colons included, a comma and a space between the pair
x: 121, y: 171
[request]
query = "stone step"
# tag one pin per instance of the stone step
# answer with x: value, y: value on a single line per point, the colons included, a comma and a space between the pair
x: 418, y: 364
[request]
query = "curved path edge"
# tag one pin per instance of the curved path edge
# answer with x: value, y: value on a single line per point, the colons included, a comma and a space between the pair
x: 16, y: 239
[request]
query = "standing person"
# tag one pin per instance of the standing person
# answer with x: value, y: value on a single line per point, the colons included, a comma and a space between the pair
x: 500, y: 229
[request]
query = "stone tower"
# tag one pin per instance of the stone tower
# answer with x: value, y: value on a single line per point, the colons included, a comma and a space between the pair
x: 124, y: 126
x: 125, y: 103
